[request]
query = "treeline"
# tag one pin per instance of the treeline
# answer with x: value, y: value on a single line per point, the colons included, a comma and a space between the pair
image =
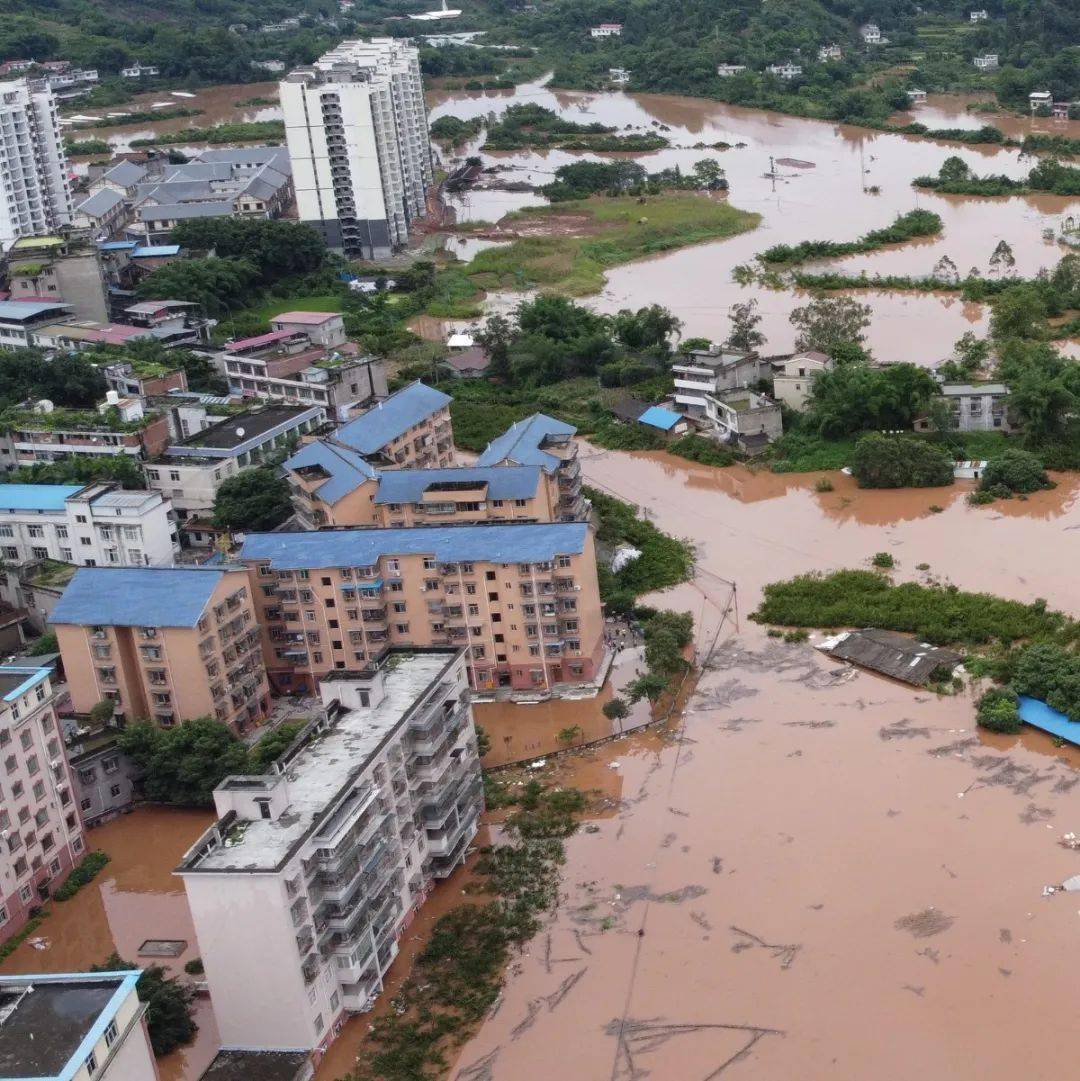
x: 580, y: 179
x: 956, y: 178
x: 915, y: 223
x: 251, y: 131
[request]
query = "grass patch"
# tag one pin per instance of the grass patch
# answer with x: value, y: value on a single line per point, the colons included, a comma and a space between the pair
x: 613, y: 231
x: 797, y: 452
x: 88, y: 869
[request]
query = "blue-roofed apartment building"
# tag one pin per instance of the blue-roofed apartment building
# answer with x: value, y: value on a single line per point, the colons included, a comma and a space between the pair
x: 164, y: 643
x: 543, y: 441
x: 522, y: 599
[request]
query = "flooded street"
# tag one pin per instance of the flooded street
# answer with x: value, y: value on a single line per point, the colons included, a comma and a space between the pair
x: 859, y: 180
x: 825, y: 875
x: 135, y: 898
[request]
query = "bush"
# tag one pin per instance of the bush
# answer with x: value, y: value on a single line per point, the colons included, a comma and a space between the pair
x: 979, y: 498
x: 274, y: 744
x: 45, y: 644
x: 882, y: 461
x: 616, y: 709
x: 194, y: 967
x: 997, y: 710
x: 1051, y: 674
x: 89, y: 867
x: 823, y: 484
x: 883, y: 560
x: 1017, y: 471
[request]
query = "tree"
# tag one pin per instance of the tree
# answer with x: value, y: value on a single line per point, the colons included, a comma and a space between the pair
x: 273, y: 745
x: 68, y: 380
x: 649, y: 328
x: 169, y: 1008
x: 119, y: 469
x: 744, y: 319
x: 218, y: 286
x: 1043, y: 388
x: 276, y: 248
x: 1018, y: 312
x: 616, y: 709
x: 47, y: 643
x: 997, y: 710
x: 103, y: 711
x: 1015, y: 469
x: 252, y: 500
x: 183, y: 765
x: 570, y: 734
x: 709, y: 175
x: 495, y: 338
x: 855, y: 397
x: 882, y: 461
x: 827, y: 322
x: 954, y: 168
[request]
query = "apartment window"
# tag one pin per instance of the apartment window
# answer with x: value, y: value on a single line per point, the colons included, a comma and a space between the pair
x: 111, y: 1034
x: 24, y: 896
x: 85, y: 541
x: 26, y: 738
x: 174, y: 475
x: 401, y: 628
x: 81, y: 519
x: 91, y: 1064
x: 85, y: 805
x: 11, y: 552
x: 32, y: 765
x: 114, y: 791
x: 112, y: 763
x: 39, y: 790
x: 6, y: 531
x: 3, y: 914
x: 66, y: 555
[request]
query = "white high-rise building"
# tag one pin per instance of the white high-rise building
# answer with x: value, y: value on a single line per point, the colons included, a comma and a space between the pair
x: 356, y: 127
x: 301, y: 890
x: 35, y: 197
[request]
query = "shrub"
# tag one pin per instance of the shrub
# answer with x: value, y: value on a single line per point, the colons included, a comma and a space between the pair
x: 979, y: 498
x: 616, y: 709
x: 1016, y: 471
x: 997, y: 710
x: 883, y: 560
x: 194, y: 967
x: 882, y: 461
x: 823, y: 484
x: 169, y: 1009
x: 1052, y: 674
x: 89, y: 867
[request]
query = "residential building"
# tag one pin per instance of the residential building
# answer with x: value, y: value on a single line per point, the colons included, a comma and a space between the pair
x: 409, y: 430
x: 742, y: 417
x: 57, y: 268
x: 917, y: 97
x: 718, y: 368
x: 541, y: 440
x: 21, y: 319
x: 122, y: 178
x: 726, y: 71
x: 82, y: 335
x: 356, y: 127
x: 104, y: 213
x: 35, y: 588
x: 273, y: 67
x: 606, y: 30
x: 41, y: 835
x: 322, y: 328
x: 68, y: 82
x: 523, y: 598
x: 36, y: 194
x: 104, y: 777
x: 468, y: 363
x: 785, y: 71
x: 76, y: 1026
x: 1040, y: 100
x: 619, y: 76
x: 871, y: 35
x: 92, y: 524
x: 665, y: 421
x: 830, y: 52
x: 793, y: 377
x: 143, y: 378
x: 139, y: 71
x: 989, y: 62
x: 190, y: 471
x: 330, y: 855
x: 332, y: 485
x: 980, y: 16
x: 173, y: 322
x: 978, y: 407
x: 41, y: 433
x: 169, y: 644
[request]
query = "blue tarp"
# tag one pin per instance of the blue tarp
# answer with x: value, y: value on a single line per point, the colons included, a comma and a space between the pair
x: 1040, y: 715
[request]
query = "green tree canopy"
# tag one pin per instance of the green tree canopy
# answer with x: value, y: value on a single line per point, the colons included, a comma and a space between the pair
x: 855, y: 397
x: 252, y: 500
x: 1015, y: 469
x: 882, y: 461
x: 219, y: 286
x: 276, y: 248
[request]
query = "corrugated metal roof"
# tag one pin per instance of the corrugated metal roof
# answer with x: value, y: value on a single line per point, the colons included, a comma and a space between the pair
x: 503, y: 482
x: 449, y: 544
x: 36, y: 496
x: 136, y: 596
x: 893, y: 654
x: 658, y: 417
x: 155, y: 250
x: 19, y: 311
x: 391, y: 418
x: 521, y: 443
x: 346, y: 469
x: 101, y: 202
x: 124, y: 499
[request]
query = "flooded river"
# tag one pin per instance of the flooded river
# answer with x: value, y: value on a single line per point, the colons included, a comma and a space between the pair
x: 824, y: 874
x: 857, y: 180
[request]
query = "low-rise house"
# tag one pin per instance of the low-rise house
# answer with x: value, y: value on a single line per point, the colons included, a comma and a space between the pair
x: 104, y: 213
x: 979, y: 16
x: 61, y: 269
x: 917, y: 97
x: 322, y: 328
x: 333, y: 486
x: 745, y: 418
x: 785, y: 71
x: 42, y: 433
x: 411, y: 429
x: 122, y: 178
x: 21, y: 319
x: 144, y: 378
x: 140, y: 71
x: 173, y: 322
x: 169, y: 644
x: 793, y: 377
x: 665, y: 421
x: 718, y: 368
x: 80, y: 336
x: 39, y: 822
x: 92, y: 524
x: 190, y: 471
x: 1040, y: 99
x: 606, y: 30
x: 619, y: 76
x: 332, y: 853
x: 989, y: 62
x: 104, y: 777
x: 871, y: 35
x: 548, y: 443
x: 726, y: 71
x: 74, y: 1027
x: 36, y: 588
x: 468, y: 363
x: 830, y: 52
x: 274, y: 67
x: 523, y: 598
x: 978, y: 407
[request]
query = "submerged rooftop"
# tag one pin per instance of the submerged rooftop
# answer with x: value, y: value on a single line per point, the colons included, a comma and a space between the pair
x: 321, y: 771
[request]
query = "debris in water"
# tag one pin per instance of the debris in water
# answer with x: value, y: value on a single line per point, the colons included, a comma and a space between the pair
x: 920, y: 991
x: 925, y: 924
x: 748, y: 941
x: 1005, y: 935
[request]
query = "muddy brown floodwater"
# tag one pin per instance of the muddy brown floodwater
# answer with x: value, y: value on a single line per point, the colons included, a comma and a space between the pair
x: 134, y: 898
x: 823, y: 874
x: 833, y: 200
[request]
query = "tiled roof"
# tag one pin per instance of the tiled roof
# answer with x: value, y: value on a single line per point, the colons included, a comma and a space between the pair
x: 346, y: 468
x: 101, y: 202
x: 409, y: 485
x: 448, y: 544
x: 391, y: 418
x: 521, y: 443
x: 136, y: 596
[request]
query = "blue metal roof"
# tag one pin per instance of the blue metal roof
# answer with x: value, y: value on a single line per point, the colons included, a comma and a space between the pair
x: 506, y: 482
x: 521, y: 443
x: 346, y: 468
x: 36, y: 496
x: 118, y: 245
x: 391, y: 418
x: 1039, y: 715
x: 156, y: 249
x: 658, y: 417
x: 137, y: 596
x: 449, y: 544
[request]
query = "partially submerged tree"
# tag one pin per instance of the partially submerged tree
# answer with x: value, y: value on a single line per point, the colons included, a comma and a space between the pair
x: 829, y: 321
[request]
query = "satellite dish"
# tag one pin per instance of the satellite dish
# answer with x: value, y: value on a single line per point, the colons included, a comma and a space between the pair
x: 240, y: 432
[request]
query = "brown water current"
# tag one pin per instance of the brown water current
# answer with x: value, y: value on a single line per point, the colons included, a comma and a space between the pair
x: 136, y: 897
x: 859, y: 180
x: 823, y: 874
